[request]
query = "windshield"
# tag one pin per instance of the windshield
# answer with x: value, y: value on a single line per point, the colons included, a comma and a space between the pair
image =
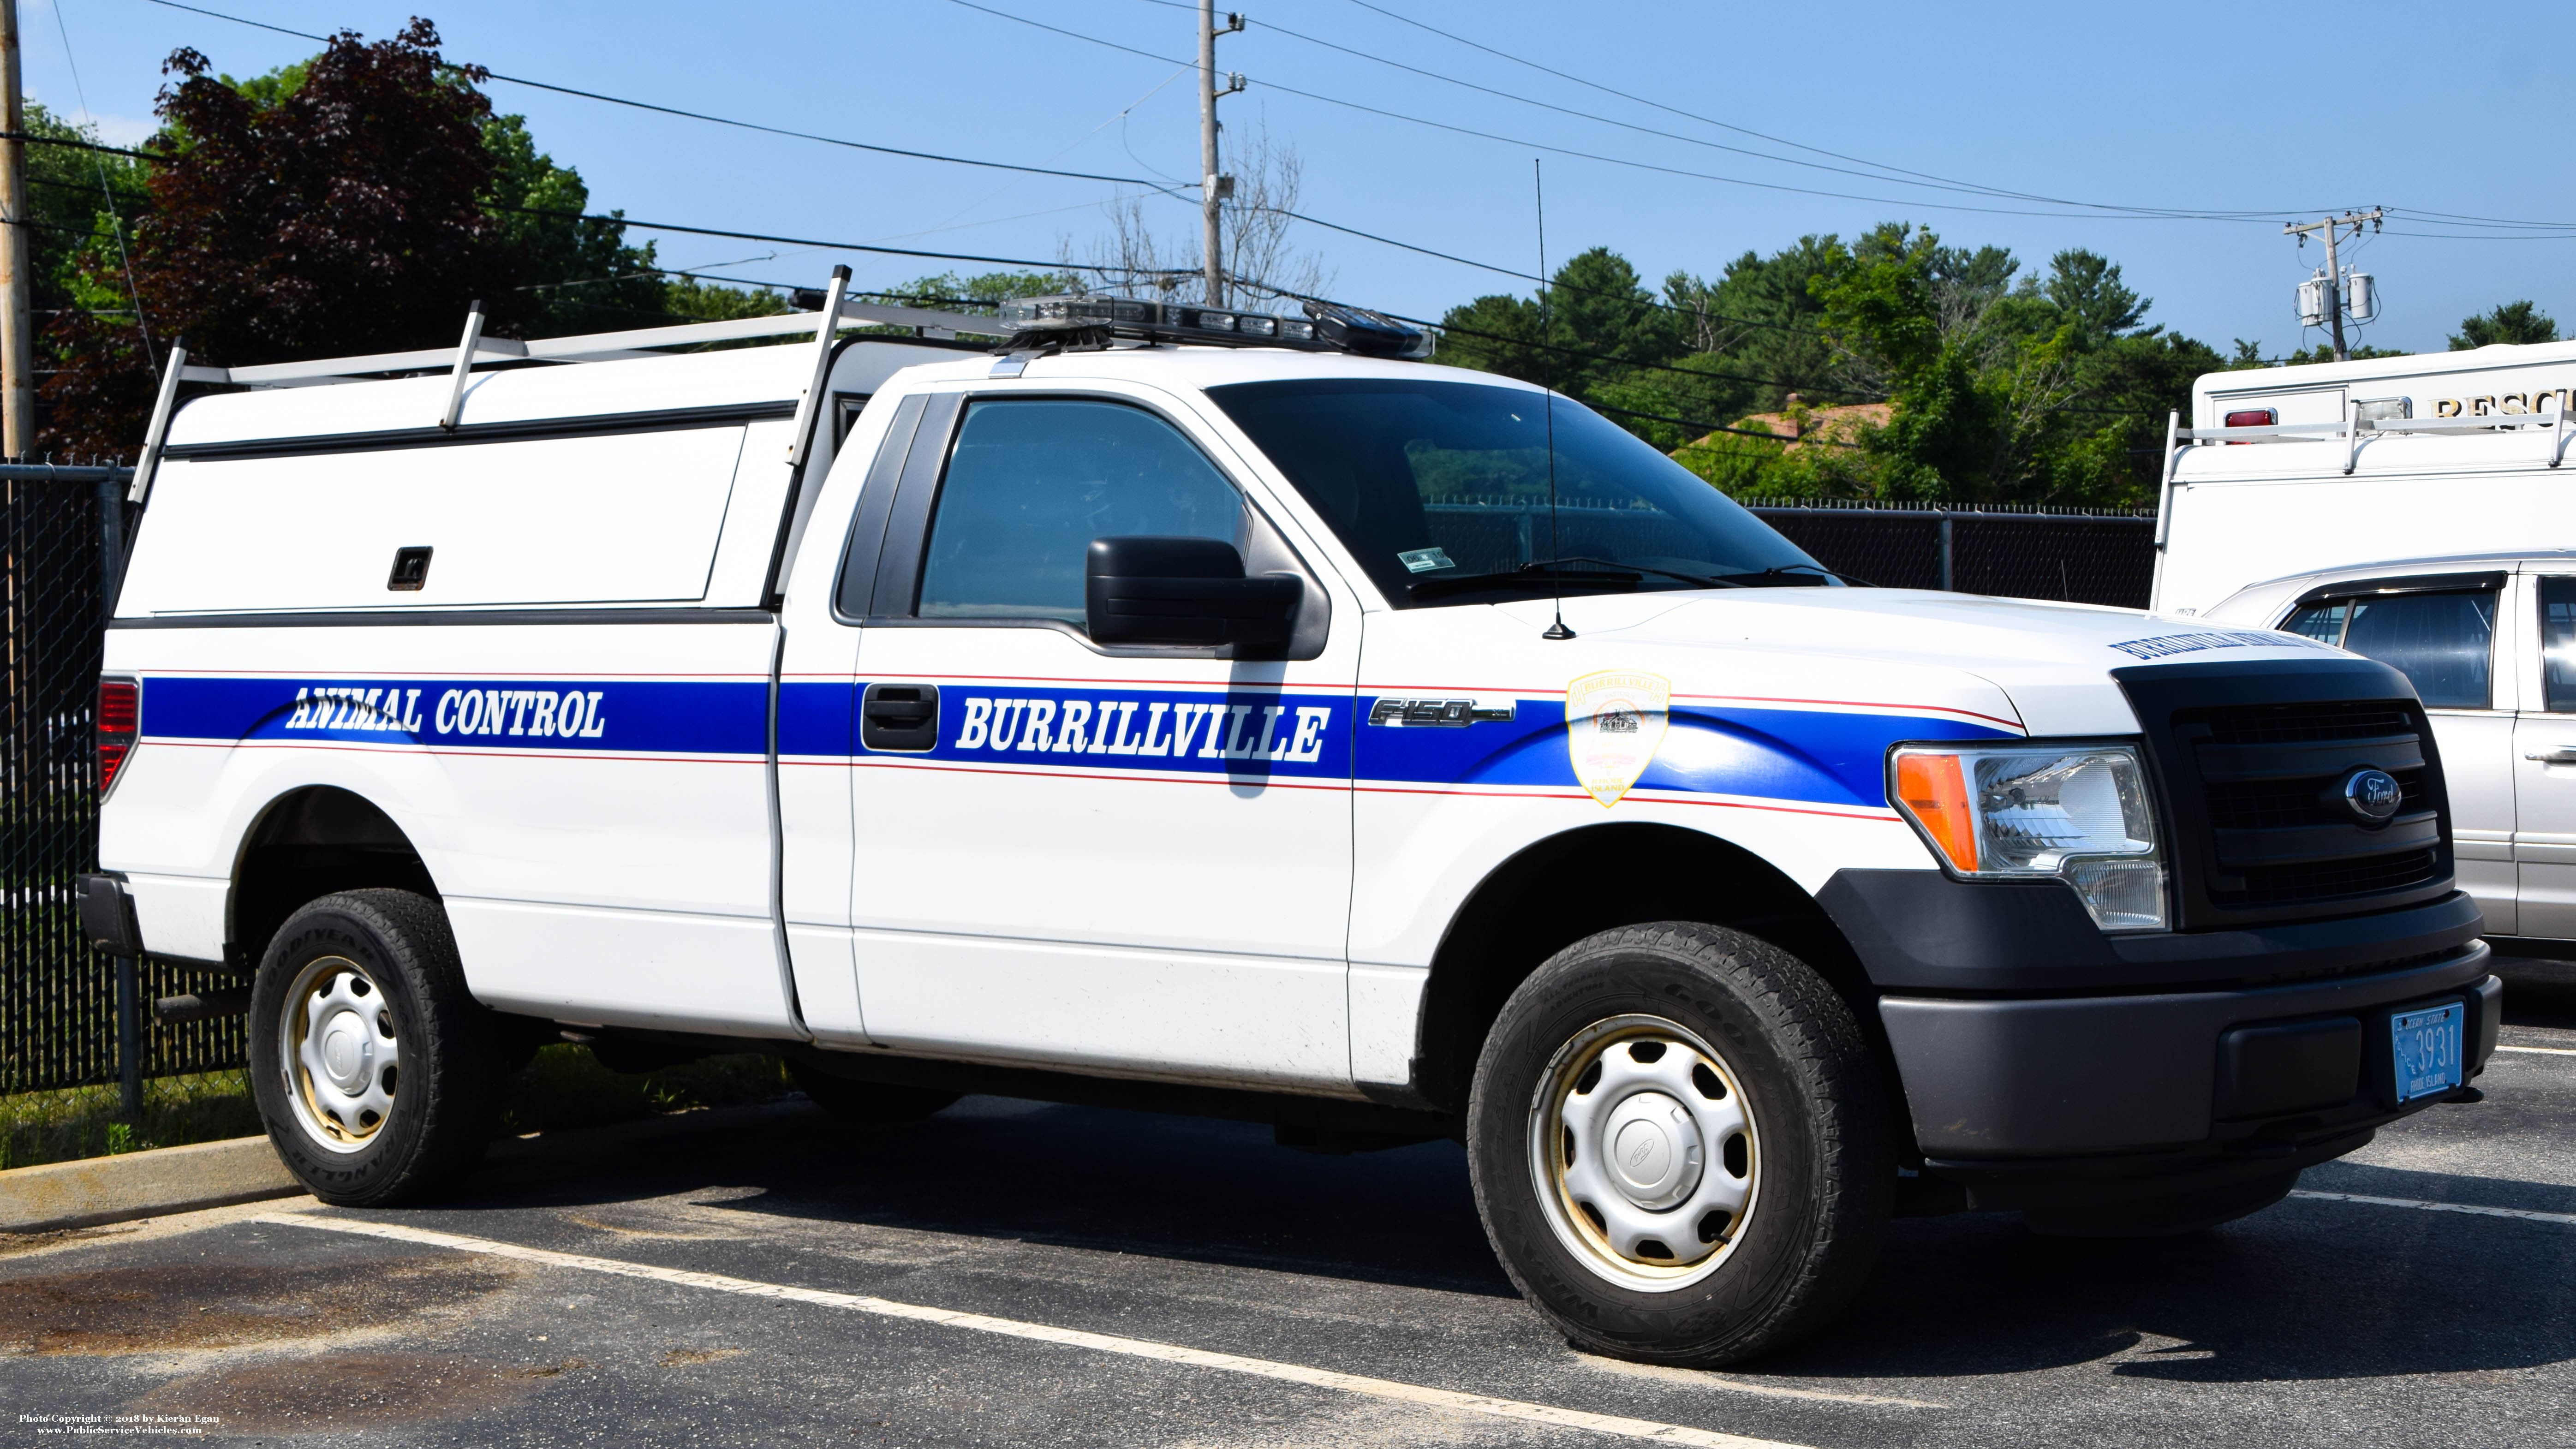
x: 1441, y: 490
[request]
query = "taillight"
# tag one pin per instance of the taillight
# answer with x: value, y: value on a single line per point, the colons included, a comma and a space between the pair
x: 2253, y: 418
x: 120, y: 716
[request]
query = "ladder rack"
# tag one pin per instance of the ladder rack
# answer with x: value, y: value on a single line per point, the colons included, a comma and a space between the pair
x: 475, y: 348
x: 595, y: 347
x: 2351, y: 432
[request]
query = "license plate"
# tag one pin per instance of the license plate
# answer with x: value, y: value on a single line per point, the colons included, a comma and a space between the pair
x: 2427, y: 1048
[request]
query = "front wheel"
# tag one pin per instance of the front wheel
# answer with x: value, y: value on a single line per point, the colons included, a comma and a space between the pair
x: 378, y: 1075
x: 1677, y: 1140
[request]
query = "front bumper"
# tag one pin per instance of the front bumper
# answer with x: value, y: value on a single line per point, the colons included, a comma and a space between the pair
x: 2168, y: 1082
x: 2042, y: 1064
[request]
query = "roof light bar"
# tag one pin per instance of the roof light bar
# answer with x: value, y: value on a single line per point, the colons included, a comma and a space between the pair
x: 1326, y: 327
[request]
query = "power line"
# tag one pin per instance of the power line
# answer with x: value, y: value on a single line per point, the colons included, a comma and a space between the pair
x: 34, y: 139
x: 1926, y: 180
x: 115, y: 221
x: 1542, y: 281
x: 1765, y: 136
x: 1453, y: 329
x: 1608, y: 160
x: 725, y: 120
x: 925, y: 155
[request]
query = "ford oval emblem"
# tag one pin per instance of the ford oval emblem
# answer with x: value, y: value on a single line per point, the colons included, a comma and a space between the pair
x: 2372, y: 795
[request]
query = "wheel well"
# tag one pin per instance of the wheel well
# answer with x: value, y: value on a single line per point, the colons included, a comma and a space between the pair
x: 1566, y: 887
x: 307, y: 844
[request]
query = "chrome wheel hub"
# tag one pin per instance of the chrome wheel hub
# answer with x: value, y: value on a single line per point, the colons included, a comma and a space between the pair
x: 1643, y: 1152
x: 336, y: 1044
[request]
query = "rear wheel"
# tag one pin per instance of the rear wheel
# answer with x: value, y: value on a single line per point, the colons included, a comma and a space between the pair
x: 378, y: 1075
x: 867, y: 1101
x: 1676, y: 1140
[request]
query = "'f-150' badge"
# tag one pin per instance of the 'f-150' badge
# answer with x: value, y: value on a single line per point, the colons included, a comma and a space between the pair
x: 1614, y: 723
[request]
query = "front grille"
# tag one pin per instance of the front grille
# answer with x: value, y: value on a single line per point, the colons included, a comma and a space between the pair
x: 2285, y: 724
x: 2261, y: 805
x: 2273, y: 840
x: 2290, y: 884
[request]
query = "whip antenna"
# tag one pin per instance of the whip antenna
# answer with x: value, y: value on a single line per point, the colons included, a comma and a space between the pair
x: 1546, y: 297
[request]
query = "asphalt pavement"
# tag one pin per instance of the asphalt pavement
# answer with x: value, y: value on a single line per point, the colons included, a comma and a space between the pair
x: 1011, y: 1273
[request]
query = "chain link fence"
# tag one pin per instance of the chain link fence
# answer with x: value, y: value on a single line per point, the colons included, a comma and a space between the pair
x: 2083, y: 556
x: 68, y: 1017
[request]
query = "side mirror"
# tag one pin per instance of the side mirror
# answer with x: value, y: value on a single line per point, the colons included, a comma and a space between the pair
x: 1150, y: 590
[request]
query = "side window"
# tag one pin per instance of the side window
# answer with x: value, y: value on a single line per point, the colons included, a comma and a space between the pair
x: 2558, y: 642
x: 1033, y: 481
x: 2444, y: 643
x: 2322, y: 622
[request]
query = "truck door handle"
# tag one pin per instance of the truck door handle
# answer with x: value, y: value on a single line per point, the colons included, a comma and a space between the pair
x: 2563, y: 755
x: 902, y: 717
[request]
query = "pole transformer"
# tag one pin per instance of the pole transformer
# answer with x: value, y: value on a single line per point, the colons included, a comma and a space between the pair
x: 2350, y: 223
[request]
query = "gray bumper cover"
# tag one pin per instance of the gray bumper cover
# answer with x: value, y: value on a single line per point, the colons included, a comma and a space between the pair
x: 2076, y: 1077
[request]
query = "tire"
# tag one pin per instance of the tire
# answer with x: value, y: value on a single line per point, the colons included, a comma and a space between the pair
x: 379, y: 1076
x: 2162, y: 1217
x: 1687, y: 1035
x: 877, y: 1102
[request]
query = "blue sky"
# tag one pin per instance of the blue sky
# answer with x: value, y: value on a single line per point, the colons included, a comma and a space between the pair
x: 2272, y: 109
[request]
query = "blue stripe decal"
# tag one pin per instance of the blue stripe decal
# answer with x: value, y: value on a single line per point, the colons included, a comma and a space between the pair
x: 816, y: 719
x: 1816, y: 756
x: 694, y: 717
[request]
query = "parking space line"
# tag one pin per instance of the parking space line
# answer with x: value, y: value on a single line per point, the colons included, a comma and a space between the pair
x: 1451, y: 1400
x: 2541, y: 1051
x: 2564, y: 1219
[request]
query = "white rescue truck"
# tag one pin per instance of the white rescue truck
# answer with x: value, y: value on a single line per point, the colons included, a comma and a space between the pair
x: 2414, y: 510
x: 1232, y: 714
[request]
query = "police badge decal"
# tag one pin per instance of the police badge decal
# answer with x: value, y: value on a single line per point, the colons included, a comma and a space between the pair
x: 1614, y: 723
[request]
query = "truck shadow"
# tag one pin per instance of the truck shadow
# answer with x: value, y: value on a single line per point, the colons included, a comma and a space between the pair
x: 2310, y: 1289
x: 1184, y: 1188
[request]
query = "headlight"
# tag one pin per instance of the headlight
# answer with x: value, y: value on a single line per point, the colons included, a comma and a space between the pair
x: 2079, y: 813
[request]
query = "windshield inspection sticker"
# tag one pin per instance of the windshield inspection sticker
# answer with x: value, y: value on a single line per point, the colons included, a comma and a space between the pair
x: 2162, y: 645
x: 1614, y: 723
x: 1424, y: 560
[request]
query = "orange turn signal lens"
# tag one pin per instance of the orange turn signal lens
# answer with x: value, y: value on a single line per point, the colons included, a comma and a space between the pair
x: 1934, y: 790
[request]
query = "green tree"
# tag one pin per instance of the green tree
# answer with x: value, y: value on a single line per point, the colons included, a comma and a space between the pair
x: 1590, y: 328
x: 2004, y: 386
x: 352, y: 202
x: 579, y: 275
x: 338, y: 214
x: 2510, y: 322
x: 955, y: 290
x: 81, y: 203
x: 684, y: 298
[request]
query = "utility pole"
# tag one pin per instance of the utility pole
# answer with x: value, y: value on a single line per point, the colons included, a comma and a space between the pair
x: 2350, y: 222
x: 17, y: 340
x: 1214, y: 188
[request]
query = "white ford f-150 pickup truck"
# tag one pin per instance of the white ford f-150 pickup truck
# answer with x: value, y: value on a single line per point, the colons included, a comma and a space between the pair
x: 1234, y: 714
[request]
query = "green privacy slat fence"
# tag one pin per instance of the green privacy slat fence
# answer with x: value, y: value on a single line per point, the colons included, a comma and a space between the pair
x: 58, y: 1000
